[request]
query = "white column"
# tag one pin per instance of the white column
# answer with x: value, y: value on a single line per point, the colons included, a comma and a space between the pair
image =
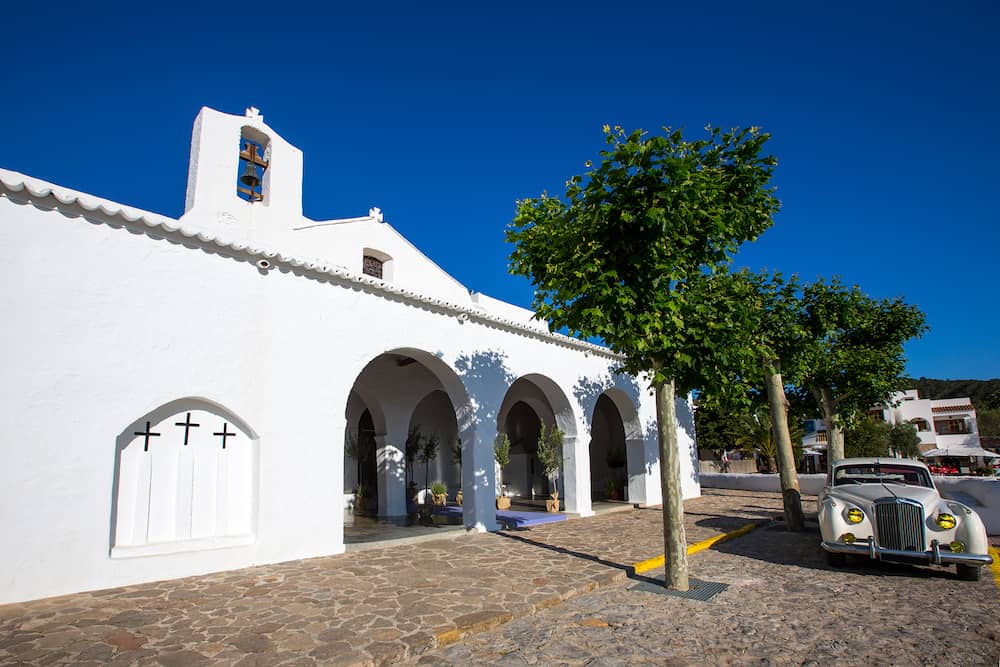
x: 638, y: 480
x: 576, y: 475
x: 391, y: 472
x: 478, y: 482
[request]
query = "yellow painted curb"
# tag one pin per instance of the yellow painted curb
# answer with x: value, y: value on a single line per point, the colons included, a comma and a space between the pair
x: 995, y: 565
x: 659, y: 561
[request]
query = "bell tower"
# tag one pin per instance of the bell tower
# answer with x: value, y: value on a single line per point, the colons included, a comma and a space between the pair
x: 244, y: 180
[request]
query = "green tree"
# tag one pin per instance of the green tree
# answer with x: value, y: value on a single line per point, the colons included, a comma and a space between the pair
x: 716, y: 429
x: 627, y: 256
x: 501, y: 453
x: 904, y: 441
x: 428, y: 452
x: 778, y: 337
x: 988, y: 424
x: 868, y: 437
x: 852, y: 357
x: 456, y: 458
x: 758, y: 437
x: 352, y: 448
x: 414, y: 443
x: 550, y: 445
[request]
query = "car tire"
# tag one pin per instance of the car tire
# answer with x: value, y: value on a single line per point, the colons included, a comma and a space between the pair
x: 968, y: 572
x: 834, y: 559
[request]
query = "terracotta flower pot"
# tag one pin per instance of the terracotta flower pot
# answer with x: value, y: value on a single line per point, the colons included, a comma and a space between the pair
x: 439, y: 498
x: 503, y: 503
x: 458, y: 498
x: 552, y: 504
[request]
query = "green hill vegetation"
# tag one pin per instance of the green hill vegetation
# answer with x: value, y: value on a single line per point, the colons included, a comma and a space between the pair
x: 984, y: 393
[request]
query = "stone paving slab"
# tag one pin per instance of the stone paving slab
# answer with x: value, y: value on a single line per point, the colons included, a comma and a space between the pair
x: 380, y: 606
x: 783, y: 606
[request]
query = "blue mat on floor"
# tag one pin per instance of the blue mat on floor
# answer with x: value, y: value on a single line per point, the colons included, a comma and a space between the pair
x: 510, y: 518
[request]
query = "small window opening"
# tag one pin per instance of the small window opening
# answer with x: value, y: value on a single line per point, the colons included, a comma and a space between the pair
x: 253, y: 164
x: 372, y: 266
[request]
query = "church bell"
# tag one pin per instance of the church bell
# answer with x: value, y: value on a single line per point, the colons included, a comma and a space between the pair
x: 249, y: 177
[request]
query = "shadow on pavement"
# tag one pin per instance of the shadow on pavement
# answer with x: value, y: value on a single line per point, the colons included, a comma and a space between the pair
x: 774, y: 544
x: 563, y: 550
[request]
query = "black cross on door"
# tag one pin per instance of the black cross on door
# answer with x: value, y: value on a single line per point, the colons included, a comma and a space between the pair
x: 225, y: 433
x: 147, y: 435
x: 188, y: 425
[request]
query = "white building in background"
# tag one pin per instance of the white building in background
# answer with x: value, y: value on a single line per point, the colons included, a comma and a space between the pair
x: 941, y: 424
x: 178, y: 392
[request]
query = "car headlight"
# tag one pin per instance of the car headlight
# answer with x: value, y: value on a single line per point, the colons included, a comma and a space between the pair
x: 854, y: 515
x: 957, y: 547
x: 946, y: 521
x: 848, y: 538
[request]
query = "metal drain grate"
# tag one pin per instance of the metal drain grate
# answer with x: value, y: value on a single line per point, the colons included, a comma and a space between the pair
x: 700, y: 590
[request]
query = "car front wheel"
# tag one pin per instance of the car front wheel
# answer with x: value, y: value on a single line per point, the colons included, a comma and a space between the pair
x: 968, y: 572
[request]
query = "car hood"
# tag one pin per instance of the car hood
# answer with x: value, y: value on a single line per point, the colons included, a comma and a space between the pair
x: 865, y: 494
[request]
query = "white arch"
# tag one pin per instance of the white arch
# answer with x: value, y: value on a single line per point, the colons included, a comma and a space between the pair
x: 184, y: 481
x: 392, y: 425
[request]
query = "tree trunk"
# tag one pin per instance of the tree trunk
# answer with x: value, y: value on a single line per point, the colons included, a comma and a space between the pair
x: 674, y: 541
x: 791, y: 496
x: 834, y: 431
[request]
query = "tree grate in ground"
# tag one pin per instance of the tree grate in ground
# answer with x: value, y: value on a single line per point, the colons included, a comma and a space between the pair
x: 702, y: 591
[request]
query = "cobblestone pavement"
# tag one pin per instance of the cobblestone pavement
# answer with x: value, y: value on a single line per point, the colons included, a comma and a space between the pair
x: 784, y: 606
x: 409, y: 602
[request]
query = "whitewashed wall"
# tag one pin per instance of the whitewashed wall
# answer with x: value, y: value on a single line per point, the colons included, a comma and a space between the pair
x: 109, y: 321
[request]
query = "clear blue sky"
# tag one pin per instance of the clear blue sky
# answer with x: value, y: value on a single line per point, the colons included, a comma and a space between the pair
x: 884, y: 120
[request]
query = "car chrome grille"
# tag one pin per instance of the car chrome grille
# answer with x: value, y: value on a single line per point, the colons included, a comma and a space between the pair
x: 900, y: 524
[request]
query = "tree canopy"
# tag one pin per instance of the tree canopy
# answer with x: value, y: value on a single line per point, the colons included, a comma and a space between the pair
x: 632, y: 253
x: 868, y: 437
x: 618, y: 256
x: 852, y: 356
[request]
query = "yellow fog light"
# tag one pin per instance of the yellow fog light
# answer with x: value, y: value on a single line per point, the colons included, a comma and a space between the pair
x: 847, y: 538
x: 946, y: 521
x: 854, y: 515
x: 957, y: 547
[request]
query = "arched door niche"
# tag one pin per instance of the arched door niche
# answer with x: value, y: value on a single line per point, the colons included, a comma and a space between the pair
x: 608, y: 452
x: 185, y: 480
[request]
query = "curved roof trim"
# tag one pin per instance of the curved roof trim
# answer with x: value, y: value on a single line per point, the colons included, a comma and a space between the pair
x: 14, y: 183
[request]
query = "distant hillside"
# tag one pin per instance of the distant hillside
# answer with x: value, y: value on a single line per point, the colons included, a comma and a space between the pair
x: 984, y: 393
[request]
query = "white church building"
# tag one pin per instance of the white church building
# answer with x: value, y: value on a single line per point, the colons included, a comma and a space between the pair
x: 178, y: 393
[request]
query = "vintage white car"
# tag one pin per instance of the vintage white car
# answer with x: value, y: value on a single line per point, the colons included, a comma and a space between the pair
x: 889, y: 509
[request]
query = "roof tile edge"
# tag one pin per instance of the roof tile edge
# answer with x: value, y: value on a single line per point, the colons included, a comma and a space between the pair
x: 15, y: 183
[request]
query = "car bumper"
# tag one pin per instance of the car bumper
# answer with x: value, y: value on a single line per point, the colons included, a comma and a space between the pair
x: 934, y: 555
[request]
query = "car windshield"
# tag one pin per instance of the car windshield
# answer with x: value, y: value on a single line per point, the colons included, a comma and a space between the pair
x: 881, y: 473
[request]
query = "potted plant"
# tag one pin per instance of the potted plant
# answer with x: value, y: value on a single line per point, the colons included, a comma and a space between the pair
x: 439, y: 493
x: 428, y: 452
x: 615, y: 458
x: 362, y: 495
x: 414, y: 441
x: 501, y: 452
x: 456, y: 458
x: 550, y: 445
x: 352, y: 447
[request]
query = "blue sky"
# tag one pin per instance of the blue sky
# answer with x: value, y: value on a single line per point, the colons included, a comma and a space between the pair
x: 882, y: 118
